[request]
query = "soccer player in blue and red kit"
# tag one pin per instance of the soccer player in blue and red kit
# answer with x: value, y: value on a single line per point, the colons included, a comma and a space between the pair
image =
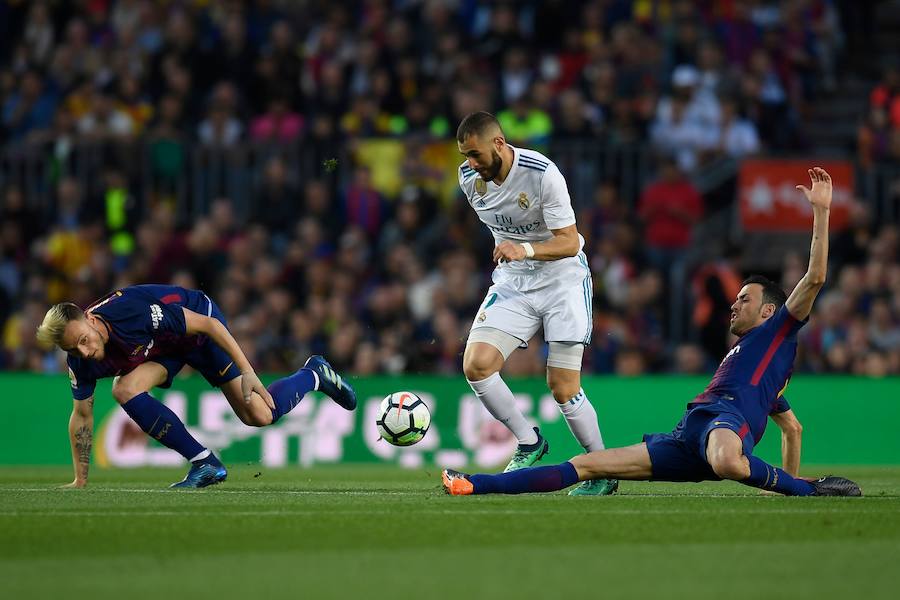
x: 716, y: 436
x: 143, y: 335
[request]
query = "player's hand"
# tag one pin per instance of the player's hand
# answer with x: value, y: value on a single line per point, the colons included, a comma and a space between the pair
x: 508, y: 251
x: 78, y: 483
x: 769, y: 493
x: 250, y: 383
x: 820, y: 194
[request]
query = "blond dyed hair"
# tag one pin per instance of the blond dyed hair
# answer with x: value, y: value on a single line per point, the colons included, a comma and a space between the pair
x: 51, y: 329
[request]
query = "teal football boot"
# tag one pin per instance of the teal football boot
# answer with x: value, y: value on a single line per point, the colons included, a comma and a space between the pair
x: 527, y: 455
x: 596, y: 487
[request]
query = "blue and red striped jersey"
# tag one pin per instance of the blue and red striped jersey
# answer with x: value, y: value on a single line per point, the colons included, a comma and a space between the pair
x: 752, y: 377
x: 145, y: 321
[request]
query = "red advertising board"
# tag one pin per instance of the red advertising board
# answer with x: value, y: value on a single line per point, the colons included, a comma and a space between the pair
x: 769, y: 200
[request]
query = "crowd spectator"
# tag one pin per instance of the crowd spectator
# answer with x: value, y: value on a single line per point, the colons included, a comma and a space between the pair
x: 386, y: 280
x: 668, y: 208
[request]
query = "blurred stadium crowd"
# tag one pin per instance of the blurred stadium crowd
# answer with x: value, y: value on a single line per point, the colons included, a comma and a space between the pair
x: 388, y: 283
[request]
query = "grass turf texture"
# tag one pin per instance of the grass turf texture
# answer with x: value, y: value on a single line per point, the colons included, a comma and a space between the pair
x: 377, y: 532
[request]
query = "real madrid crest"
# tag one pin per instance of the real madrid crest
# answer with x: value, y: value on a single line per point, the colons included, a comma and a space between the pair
x: 481, y: 317
x: 523, y: 200
x: 481, y: 186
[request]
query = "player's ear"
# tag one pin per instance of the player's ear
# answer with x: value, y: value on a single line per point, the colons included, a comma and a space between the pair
x: 768, y: 310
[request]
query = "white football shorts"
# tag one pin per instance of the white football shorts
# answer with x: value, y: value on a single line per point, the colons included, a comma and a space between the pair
x: 556, y: 296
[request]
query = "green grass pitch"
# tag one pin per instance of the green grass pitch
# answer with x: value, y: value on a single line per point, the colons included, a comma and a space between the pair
x: 380, y: 532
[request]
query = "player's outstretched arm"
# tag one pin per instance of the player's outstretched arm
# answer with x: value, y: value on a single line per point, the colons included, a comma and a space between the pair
x: 800, y: 302
x: 196, y: 323
x: 564, y: 243
x: 791, y: 440
x: 81, y: 438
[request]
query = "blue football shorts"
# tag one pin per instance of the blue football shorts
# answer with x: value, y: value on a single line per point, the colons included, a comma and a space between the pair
x: 681, y: 454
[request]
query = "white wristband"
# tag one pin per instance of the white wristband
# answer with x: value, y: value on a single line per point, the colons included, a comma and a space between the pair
x: 529, y: 250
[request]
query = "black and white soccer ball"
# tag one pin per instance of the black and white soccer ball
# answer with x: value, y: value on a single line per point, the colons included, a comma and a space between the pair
x: 403, y: 419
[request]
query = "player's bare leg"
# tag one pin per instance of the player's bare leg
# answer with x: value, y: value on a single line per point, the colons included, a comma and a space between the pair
x: 725, y: 454
x: 142, y: 378
x: 159, y: 422
x: 255, y: 413
x: 631, y: 462
x: 581, y: 417
x: 316, y: 374
x: 481, y: 364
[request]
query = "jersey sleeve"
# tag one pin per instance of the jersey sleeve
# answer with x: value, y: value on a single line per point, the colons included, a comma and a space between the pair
x: 82, y: 385
x: 168, y: 318
x: 135, y: 314
x: 780, y: 405
x: 783, y: 318
x: 466, y: 173
x: 555, y: 201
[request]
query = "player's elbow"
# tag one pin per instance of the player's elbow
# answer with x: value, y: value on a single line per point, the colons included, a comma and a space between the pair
x: 815, y: 279
x: 793, y: 429
x: 572, y: 246
x: 207, y: 326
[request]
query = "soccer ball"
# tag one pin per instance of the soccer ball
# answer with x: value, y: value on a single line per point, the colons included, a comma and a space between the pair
x: 403, y: 419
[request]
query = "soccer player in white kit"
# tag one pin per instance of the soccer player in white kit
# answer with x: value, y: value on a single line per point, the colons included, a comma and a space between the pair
x: 542, y: 279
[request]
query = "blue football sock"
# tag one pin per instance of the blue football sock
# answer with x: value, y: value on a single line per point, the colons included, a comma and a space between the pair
x: 767, y: 477
x: 159, y: 422
x: 533, y: 479
x: 289, y: 391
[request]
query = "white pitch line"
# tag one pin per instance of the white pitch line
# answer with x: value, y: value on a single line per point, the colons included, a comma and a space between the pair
x: 461, y: 513
x: 218, y: 490
x: 222, y: 491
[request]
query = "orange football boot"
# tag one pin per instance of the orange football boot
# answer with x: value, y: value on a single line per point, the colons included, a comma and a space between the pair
x: 456, y: 483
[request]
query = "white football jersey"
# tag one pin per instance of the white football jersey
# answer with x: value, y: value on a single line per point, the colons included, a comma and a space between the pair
x: 532, y: 200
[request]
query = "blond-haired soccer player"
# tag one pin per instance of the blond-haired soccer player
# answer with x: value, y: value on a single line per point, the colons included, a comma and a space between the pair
x: 542, y: 280
x: 143, y: 335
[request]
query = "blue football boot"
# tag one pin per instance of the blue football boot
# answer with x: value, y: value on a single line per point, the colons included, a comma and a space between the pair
x: 330, y: 383
x: 208, y: 471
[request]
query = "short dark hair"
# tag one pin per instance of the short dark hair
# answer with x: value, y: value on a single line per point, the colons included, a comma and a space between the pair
x: 772, y: 292
x: 476, y: 124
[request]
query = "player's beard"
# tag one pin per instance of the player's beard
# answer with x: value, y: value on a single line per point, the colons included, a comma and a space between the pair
x: 494, y: 168
x: 737, y: 328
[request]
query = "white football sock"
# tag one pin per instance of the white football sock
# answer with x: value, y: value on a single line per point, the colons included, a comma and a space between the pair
x: 582, y: 421
x: 498, y: 399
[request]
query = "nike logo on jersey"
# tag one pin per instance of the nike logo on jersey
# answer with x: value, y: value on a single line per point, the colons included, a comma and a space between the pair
x: 228, y: 366
x: 147, y: 351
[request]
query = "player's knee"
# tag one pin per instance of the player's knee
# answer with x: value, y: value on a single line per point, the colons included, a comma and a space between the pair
x: 563, y: 391
x: 588, y: 466
x: 123, y: 392
x: 257, y: 418
x: 477, y: 370
x: 730, y: 467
